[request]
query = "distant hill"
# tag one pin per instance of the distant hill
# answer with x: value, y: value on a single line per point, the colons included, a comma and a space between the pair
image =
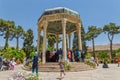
x: 104, y: 47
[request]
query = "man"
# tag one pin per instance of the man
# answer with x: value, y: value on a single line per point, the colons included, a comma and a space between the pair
x: 35, y: 63
x: 118, y: 61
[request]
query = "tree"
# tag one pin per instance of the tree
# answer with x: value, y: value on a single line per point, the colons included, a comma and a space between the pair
x: 11, y: 53
x: 75, y: 41
x: 28, y: 41
x: 84, y: 47
x: 111, y: 29
x: 6, y: 28
x: 17, y: 33
x: 117, y: 53
x: 51, y: 40
x: 92, y: 33
x: 102, y: 55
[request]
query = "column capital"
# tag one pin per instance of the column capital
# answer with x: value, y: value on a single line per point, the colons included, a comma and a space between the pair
x: 78, y: 25
x: 45, y: 26
x: 57, y: 35
x: 39, y: 29
x: 64, y: 20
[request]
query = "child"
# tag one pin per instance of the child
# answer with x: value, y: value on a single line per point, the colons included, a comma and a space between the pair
x: 12, y: 64
x: 62, y: 70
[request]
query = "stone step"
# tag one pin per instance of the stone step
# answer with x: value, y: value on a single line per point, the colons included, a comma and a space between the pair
x: 54, y: 67
x: 76, y: 66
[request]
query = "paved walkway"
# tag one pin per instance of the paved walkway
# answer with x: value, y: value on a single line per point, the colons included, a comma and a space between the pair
x: 112, y: 73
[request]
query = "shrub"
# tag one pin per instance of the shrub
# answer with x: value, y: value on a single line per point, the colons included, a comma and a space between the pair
x: 107, y: 60
x: 88, y: 56
x: 39, y: 62
x: 117, y: 53
x: 31, y: 55
x: 10, y: 53
x: 67, y: 65
x: 102, y: 55
x: 92, y: 64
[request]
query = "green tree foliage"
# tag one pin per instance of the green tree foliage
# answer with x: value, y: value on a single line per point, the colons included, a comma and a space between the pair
x: 17, y: 33
x: 10, y: 53
x: 75, y: 41
x: 49, y: 48
x: 102, y: 55
x: 117, y: 53
x: 88, y: 56
x: 92, y: 33
x: 6, y: 30
x: 111, y: 29
x: 28, y: 42
x: 84, y: 47
x: 51, y: 40
x: 31, y: 55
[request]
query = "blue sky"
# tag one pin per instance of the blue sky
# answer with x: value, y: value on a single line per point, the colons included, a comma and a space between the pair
x: 92, y: 12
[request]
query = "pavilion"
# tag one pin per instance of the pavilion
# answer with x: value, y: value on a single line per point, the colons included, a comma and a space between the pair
x: 59, y: 21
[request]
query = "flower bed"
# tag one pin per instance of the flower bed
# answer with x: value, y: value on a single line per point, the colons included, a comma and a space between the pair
x: 23, y: 76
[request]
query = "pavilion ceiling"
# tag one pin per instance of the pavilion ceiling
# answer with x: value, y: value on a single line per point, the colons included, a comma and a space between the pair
x: 56, y: 27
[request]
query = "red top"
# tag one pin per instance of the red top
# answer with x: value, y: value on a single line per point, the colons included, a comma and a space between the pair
x: 119, y: 59
x: 69, y: 54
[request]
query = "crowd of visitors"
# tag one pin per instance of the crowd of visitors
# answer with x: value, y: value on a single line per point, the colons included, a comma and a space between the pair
x: 77, y: 55
x: 6, y: 64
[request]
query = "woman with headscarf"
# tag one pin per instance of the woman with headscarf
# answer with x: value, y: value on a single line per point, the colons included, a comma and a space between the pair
x: 35, y: 63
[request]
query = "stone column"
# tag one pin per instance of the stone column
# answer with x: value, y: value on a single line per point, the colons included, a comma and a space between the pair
x: 38, y: 40
x: 69, y: 36
x: 79, y: 36
x: 44, y: 43
x: 57, y: 39
x: 64, y: 39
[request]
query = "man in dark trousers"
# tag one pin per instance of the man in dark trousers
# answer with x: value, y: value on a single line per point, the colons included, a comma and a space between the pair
x: 35, y: 63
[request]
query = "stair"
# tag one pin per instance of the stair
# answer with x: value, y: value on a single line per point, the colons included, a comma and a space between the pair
x: 79, y: 66
x: 49, y: 67
x: 54, y: 67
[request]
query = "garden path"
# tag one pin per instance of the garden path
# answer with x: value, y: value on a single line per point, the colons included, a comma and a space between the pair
x: 112, y: 73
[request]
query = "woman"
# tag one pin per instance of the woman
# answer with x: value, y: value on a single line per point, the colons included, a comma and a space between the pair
x: 35, y: 63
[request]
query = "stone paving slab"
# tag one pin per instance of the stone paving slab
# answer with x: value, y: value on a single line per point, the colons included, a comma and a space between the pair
x: 112, y: 73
